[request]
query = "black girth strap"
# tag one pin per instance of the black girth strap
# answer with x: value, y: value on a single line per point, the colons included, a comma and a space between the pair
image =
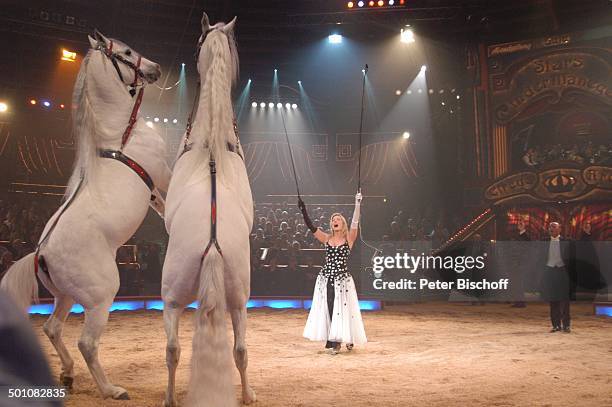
x: 213, y: 209
x: 134, y: 166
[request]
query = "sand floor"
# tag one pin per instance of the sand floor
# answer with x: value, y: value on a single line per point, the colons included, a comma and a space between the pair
x: 418, y: 355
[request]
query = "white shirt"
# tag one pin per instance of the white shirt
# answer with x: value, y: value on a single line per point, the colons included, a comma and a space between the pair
x: 554, y: 253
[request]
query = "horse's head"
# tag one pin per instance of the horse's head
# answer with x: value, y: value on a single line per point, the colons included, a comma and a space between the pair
x: 131, y: 67
x: 217, y: 37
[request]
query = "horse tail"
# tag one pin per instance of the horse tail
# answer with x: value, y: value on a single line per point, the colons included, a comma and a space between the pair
x: 211, y: 363
x: 20, y: 282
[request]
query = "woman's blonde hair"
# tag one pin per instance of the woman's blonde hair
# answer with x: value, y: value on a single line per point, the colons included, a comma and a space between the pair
x: 344, y: 224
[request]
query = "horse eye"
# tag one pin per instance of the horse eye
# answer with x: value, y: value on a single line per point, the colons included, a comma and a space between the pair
x: 128, y: 52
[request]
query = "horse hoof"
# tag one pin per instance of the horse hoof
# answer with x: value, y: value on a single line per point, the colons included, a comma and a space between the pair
x: 122, y: 396
x: 66, y: 381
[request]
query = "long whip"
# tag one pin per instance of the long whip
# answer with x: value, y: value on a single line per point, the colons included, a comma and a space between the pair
x: 297, y: 187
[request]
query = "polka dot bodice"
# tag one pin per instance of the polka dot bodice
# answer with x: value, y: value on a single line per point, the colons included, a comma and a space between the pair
x: 336, y: 259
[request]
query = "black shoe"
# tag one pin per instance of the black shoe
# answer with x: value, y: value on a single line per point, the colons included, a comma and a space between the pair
x: 567, y: 330
x: 555, y: 329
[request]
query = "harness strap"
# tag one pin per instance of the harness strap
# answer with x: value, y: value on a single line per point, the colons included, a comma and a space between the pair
x: 134, y: 166
x: 213, y: 210
x: 133, y: 116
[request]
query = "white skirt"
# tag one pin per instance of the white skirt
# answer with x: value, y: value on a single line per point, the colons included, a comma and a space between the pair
x: 346, y: 325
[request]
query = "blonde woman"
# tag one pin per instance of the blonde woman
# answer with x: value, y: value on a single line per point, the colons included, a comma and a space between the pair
x: 334, y: 316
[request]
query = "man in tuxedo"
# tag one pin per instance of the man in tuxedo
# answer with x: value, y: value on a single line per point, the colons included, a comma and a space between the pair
x: 522, y: 260
x: 556, y: 284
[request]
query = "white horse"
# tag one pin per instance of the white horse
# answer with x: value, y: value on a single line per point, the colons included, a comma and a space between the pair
x: 191, y: 271
x: 106, y: 201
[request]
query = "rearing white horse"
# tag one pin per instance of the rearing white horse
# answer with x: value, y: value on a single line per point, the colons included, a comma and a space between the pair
x: 195, y: 266
x: 106, y: 201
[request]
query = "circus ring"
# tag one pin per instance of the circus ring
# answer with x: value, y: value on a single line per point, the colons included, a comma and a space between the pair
x: 434, y: 354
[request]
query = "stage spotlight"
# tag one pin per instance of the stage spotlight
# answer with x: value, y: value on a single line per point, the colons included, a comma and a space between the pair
x: 275, y: 70
x: 294, y: 106
x: 391, y: 2
x: 406, y: 36
x: 350, y: 4
x: 335, y: 39
x: 406, y: 135
x: 3, y: 107
x: 62, y: 106
x: 360, y: 3
x: 156, y: 119
x: 69, y: 56
x: 32, y: 102
x: 175, y: 121
x: 453, y: 90
x: 381, y: 3
x: 409, y: 92
x: 299, y: 82
x: 165, y: 120
x: 363, y: 71
x: 398, y: 92
x: 431, y: 91
x: 149, y: 123
x: 249, y: 80
x: 441, y: 91
x: 270, y: 105
x: 254, y: 104
x: 420, y: 90
x: 182, y: 64
x: 458, y: 97
x: 279, y: 105
x: 46, y: 103
x: 423, y: 68
x: 443, y: 104
x: 262, y: 105
x: 288, y: 105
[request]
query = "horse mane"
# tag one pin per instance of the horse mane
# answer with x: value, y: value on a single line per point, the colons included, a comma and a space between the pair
x: 214, y: 126
x: 83, y: 130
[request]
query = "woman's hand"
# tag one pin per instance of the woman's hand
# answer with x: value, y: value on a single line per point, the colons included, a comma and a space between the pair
x: 358, y: 198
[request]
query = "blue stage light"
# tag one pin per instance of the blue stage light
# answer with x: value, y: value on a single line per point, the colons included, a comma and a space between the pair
x: 335, y: 39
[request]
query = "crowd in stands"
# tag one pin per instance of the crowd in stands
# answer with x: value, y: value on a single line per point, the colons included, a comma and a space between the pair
x: 587, y: 153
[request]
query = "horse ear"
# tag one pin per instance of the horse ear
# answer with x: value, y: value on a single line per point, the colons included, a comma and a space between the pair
x: 205, y: 22
x: 92, y: 42
x: 100, y: 37
x: 229, y: 26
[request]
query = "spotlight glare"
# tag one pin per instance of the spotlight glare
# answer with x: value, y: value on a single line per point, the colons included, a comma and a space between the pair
x: 149, y: 123
x: 270, y: 105
x: 381, y: 3
x: 406, y: 36
x: 409, y: 92
x: 175, y: 121
x: 3, y: 107
x: 406, y: 135
x: 350, y: 4
x: 371, y: 3
x: 299, y: 82
x: 443, y: 104
x: 165, y: 120
x: 441, y: 91
x: 288, y: 105
x: 182, y: 64
x: 431, y: 91
x: 398, y: 92
x: 32, y: 102
x: 279, y: 105
x: 458, y: 97
x: 420, y: 90
x: 62, y: 106
x: 423, y: 68
x: 360, y: 3
x: 391, y: 2
x: 335, y: 39
x: 69, y: 56
x: 156, y: 119
x: 294, y: 106
x: 262, y: 105
x: 46, y: 103
x: 254, y: 104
